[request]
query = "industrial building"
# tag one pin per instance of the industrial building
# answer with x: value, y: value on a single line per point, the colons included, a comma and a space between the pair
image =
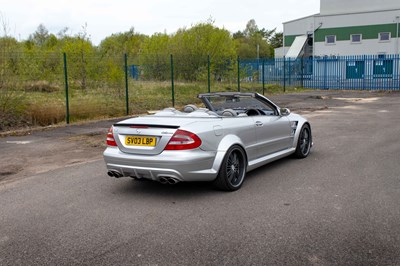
x: 348, y: 45
x: 342, y: 28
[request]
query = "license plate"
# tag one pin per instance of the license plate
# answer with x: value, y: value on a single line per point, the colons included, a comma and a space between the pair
x: 140, y: 141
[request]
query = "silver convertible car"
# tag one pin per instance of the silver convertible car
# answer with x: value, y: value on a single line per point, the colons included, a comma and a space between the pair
x: 230, y: 134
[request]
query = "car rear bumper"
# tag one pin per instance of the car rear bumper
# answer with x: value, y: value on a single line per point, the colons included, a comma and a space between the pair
x: 191, y: 165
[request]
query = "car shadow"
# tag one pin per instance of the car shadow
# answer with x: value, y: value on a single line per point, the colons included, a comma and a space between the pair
x: 179, y: 190
x: 187, y: 190
x: 283, y: 162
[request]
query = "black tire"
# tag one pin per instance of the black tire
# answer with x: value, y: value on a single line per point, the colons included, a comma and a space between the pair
x: 304, y: 142
x: 233, y: 170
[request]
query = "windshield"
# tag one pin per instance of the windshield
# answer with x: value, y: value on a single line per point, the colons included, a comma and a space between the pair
x: 236, y: 102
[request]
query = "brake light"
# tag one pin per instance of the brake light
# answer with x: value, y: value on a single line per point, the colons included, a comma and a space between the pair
x: 110, y: 138
x: 183, y: 140
x: 139, y: 126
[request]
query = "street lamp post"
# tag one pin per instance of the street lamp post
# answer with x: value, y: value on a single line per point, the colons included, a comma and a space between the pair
x: 397, y: 35
x: 258, y: 51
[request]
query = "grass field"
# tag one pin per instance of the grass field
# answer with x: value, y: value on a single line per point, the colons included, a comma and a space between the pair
x: 47, y: 105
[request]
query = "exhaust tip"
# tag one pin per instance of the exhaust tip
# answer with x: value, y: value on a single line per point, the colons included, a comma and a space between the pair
x: 114, y: 173
x: 168, y: 180
x: 109, y: 173
x: 163, y: 180
x: 172, y: 181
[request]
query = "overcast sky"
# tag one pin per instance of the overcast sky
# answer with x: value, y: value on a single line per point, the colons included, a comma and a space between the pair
x: 104, y: 17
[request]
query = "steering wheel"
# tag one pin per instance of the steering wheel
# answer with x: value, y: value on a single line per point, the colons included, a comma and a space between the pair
x: 253, y: 112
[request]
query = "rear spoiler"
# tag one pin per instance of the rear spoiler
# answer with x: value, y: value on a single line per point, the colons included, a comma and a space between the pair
x: 144, y: 125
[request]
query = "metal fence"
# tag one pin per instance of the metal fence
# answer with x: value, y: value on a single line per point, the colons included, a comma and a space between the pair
x: 378, y: 72
x: 47, y: 88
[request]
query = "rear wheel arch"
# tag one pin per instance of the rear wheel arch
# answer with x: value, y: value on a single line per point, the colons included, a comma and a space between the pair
x: 232, y: 170
x: 225, y: 144
x: 243, y: 149
x: 228, y: 141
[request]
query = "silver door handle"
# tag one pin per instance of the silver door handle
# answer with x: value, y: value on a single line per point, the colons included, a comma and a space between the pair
x: 259, y: 124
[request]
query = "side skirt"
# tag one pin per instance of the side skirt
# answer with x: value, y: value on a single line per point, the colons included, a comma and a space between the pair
x: 269, y: 158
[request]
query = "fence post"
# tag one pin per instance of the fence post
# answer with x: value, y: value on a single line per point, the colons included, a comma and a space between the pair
x: 66, y: 88
x: 208, y: 74
x: 284, y: 74
x: 172, y: 81
x: 289, y: 72
x: 325, y: 71
x: 238, y: 74
x: 363, y: 75
x: 263, y: 75
x: 302, y: 72
x: 126, y: 84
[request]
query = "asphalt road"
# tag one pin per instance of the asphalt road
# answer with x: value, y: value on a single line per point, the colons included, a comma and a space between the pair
x: 339, y: 206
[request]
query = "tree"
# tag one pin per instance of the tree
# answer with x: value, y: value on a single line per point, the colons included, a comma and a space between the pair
x: 251, y: 28
x: 9, y: 53
x: 154, y: 59
x: 81, y: 52
x: 128, y: 42
x: 111, y: 55
x: 253, y: 42
x: 192, y: 46
x: 277, y: 40
x: 63, y: 33
x: 40, y: 36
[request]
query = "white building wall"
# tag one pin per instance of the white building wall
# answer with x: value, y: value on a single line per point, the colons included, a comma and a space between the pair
x: 358, y: 19
x: 309, y: 24
x: 280, y: 52
x: 299, y: 26
x: 328, y: 7
x: 366, y: 47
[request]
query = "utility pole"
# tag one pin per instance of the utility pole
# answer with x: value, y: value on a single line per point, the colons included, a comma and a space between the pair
x: 397, y: 35
x: 258, y: 51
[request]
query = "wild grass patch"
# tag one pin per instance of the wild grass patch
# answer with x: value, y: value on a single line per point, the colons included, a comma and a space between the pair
x: 42, y: 103
x: 41, y: 86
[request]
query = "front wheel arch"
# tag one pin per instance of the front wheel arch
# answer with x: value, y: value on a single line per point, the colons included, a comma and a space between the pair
x: 304, y: 142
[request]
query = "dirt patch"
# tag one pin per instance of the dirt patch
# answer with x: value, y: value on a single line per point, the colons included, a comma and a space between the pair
x: 92, y: 140
x: 320, y: 97
x: 43, y: 156
x: 42, y: 151
x: 10, y: 170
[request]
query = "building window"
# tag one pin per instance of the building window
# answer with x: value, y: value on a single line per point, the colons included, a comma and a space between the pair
x: 384, y: 36
x: 330, y: 39
x: 355, y: 38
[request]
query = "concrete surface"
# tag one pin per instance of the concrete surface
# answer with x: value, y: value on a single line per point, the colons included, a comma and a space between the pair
x: 339, y: 206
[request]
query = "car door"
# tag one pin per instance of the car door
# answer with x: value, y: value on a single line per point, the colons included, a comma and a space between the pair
x: 273, y: 133
x: 244, y: 129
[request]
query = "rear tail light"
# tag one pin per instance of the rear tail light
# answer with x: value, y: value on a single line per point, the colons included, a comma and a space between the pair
x: 183, y: 140
x: 110, y: 138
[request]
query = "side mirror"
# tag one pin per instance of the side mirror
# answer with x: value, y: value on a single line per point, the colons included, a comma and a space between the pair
x: 284, y: 111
